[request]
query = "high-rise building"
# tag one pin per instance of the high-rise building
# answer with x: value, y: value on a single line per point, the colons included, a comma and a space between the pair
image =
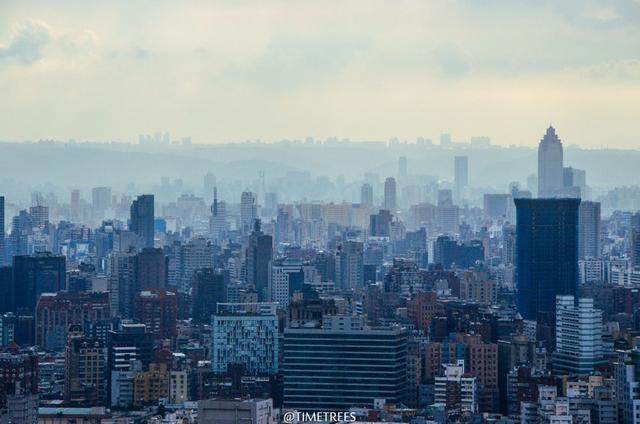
x: 151, y: 269
x: 34, y: 275
x: 627, y: 374
x: 390, y: 201
x: 460, y: 176
x: 550, y: 172
x: 39, y: 215
x: 101, y: 198
x: 366, y: 195
x: 129, y: 346
x: 85, y: 369
x: 158, y: 310
x: 57, y: 312
x: 259, y: 254
x: 350, y: 265
x: 74, y: 206
x: 457, y: 390
x: 218, y: 226
x: 142, y: 219
x: 589, y: 229
x: 3, y: 250
x: 245, y: 334
x: 578, y: 336
x: 350, y: 367
x: 248, y: 211
x: 196, y: 254
x: 209, y: 289
x: 380, y: 224
x: 496, y: 205
x: 547, y: 253
x: 287, y: 278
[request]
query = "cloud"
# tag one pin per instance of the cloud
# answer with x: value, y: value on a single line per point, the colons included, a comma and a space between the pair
x: 290, y: 62
x: 620, y: 70
x: 451, y: 60
x: 35, y: 41
x: 27, y: 43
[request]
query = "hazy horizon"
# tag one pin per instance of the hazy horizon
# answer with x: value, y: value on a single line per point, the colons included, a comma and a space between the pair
x: 234, y: 71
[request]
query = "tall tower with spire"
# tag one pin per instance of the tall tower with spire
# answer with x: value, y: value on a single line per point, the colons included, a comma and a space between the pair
x: 550, y: 180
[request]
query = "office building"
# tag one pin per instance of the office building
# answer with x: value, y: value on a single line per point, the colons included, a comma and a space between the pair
x: 348, y: 368
x: 496, y: 205
x: 248, y: 212
x: 366, y: 195
x: 589, y: 230
x: 151, y: 269
x: 85, y: 369
x: 158, y: 310
x: 57, y: 312
x: 34, y: 275
x: 350, y: 265
x: 3, y: 246
x: 449, y: 252
x: 380, y: 224
x: 286, y: 279
x: 196, y: 254
x: 461, y: 176
x: 142, y: 219
x: 218, y: 226
x: 578, y: 336
x: 390, y: 200
x: 258, y: 255
x: 209, y: 289
x: 547, y: 253
x: 246, y: 335
x: 550, y: 171
x: 152, y: 385
x: 101, y: 199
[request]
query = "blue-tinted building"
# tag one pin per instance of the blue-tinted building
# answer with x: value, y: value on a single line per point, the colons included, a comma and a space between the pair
x: 546, y: 252
x: 333, y: 369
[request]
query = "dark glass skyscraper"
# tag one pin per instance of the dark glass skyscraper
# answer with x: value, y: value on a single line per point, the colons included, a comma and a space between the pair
x: 259, y: 254
x: 547, y: 252
x: 2, y: 243
x: 34, y: 275
x: 142, y: 215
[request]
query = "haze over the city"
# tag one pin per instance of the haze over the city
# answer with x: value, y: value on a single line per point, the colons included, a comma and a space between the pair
x: 230, y: 71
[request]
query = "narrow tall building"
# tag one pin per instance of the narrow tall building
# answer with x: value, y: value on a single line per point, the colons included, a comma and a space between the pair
x: 3, y: 254
x: 350, y: 261
x: 248, y: 211
x: 142, y: 219
x: 589, y: 230
x: 390, y: 200
x: 550, y: 172
x: 366, y: 195
x: 258, y: 256
x: 461, y: 176
x: 546, y: 252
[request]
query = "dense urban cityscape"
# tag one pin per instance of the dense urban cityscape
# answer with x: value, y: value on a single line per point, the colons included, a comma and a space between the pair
x: 320, y: 212
x: 416, y: 298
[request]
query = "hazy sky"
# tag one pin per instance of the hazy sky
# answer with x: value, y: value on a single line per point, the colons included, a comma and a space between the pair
x: 236, y: 70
